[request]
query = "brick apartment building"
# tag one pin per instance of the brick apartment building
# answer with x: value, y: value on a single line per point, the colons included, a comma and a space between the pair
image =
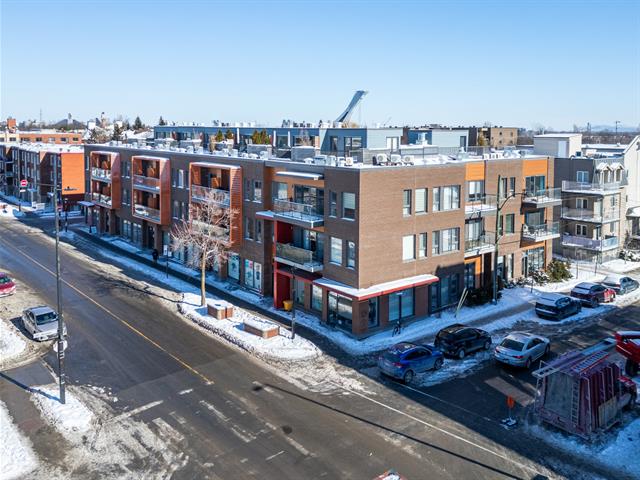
x: 358, y: 245
x: 496, y: 137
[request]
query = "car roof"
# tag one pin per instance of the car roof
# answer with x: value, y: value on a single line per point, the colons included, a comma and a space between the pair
x: 552, y: 296
x: 41, y: 310
x: 586, y: 285
x: 522, y: 336
x: 402, y: 347
x: 614, y: 277
x: 456, y: 327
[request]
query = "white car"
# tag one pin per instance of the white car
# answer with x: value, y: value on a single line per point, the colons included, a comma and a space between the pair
x: 41, y: 323
x: 521, y: 349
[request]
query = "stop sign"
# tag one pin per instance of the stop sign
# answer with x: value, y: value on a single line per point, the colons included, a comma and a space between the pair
x: 23, y: 183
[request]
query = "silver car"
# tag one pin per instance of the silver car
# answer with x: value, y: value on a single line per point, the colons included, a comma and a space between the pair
x: 41, y: 323
x: 521, y: 349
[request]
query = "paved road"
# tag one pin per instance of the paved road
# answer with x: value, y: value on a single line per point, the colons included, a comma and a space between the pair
x: 234, y: 417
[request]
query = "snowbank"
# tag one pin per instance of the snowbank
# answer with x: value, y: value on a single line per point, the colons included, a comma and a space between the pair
x: 280, y: 347
x: 71, y: 418
x: 621, y: 266
x: 11, y: 344
x: 16, y: 455
x: 10, y: 212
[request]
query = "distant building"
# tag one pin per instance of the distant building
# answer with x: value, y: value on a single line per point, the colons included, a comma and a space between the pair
x: 496, y: 137
x: 442, y: 137
x: 50, y: 136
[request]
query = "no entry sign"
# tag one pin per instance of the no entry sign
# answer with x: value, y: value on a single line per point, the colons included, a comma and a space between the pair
x: 23, y: 183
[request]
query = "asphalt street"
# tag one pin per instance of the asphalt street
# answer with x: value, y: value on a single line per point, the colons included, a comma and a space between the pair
x: 234, y: 418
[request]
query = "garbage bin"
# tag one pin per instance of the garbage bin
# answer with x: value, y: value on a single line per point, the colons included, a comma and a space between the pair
x: 288, y: 305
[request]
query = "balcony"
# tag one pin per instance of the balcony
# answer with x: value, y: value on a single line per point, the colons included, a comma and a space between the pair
x: 591, y: 188
x: 478, y: 246
x: 208, y: 229
x: 147, y: 213
x: 299, y: 214
x: 203, y: 194
x: 297, y: 257
x: 101, y: 199
x: 590, y: 243
x: 587, y: 215
x: 542, y: 198
x: 101, y: 174
x: 538, y: 233
x: 480, y: 206
x: 149, y: 184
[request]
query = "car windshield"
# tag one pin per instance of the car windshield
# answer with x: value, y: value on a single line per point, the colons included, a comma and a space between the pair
x: 46, y: 318
x: 444, y: 335
x: 391, y: 356
x: 4, y: 280
x: 512, y: 344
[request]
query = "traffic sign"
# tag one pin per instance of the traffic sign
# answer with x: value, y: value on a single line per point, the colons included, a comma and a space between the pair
x: 23, y: 183
x: 510, y: 402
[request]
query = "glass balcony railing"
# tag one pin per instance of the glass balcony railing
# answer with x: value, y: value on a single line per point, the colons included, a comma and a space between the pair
x: 590, y: 243
x: 478, y: 205
x: 215, y: 195
x: 584, y: 187
x: 101, y: 174
x: 590, y: 215
x: 544, y: 196
x: 146, y: 212
x: 147, y: 183
x: 298, y: 211
x: 101, y: 198
x: 300, y: 257
x: 481, y: 243
x: 544, y: 231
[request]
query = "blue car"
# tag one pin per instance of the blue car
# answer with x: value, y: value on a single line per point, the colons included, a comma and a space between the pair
x: 404, y: 360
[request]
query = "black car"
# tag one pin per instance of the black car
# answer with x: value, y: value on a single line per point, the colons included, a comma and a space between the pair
x: 458, y: 340
x: 556, y: 306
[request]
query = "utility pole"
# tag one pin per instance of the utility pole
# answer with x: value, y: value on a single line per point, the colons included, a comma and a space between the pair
x: 617, y: 123
x: 494, y: 274
x: 58, y: 292
x: 293, y: 303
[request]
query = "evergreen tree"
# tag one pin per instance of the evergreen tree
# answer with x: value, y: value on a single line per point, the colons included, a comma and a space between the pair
x: 219, y: 136
x: 229, y: 135
x: 126, y: 125
x: 137, y: 124
x: 162, y: 121
x: 117, y: 132
x: 255, y: 137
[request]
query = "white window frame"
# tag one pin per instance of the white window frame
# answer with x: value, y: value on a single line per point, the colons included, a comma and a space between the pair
x: 408, y: 248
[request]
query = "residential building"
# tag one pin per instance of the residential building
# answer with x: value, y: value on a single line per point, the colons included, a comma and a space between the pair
x: 443, y: 137
x: 496, y: 137
x: 359, y: 245
x: 50, y: 136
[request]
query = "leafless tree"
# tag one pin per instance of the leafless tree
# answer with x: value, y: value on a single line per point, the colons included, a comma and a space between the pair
x: 206, y: 234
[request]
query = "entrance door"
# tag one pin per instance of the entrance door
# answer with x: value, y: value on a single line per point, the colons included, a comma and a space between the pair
x: 151, y: 236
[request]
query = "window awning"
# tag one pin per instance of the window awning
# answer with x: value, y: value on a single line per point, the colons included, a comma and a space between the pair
x: 602, y: 166
x: 376, y: 290
x: 304, y: 175
x: 616, y: 166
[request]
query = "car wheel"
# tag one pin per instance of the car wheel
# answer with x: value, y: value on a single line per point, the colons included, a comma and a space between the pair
x: 594, y: 303
x: 487, y: 345
x: 438, y: 364
x: 461, y: 353
x: 527, y: 364
x: 408, y: 376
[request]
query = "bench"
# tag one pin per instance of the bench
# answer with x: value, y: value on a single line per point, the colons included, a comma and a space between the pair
x: 220, y: 309
x: 261, y: 328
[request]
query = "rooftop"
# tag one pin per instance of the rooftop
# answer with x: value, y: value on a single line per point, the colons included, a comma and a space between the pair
x: 45, y: 147
x: 557, y: 135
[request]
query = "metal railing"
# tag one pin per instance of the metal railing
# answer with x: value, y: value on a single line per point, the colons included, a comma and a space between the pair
x: 485, y: 203
x: 300, y: 211
x: 590, y: 243
x: 215, y: 230
x: 485, y: 240
x: 537, y: 232
x: 146, y: 212
x: 568, y: 185
x: 297, y: 255
x: 100, y: 198
x: 546, y: 195
x: 586, y: 214
x: 100, y: 174
x: 146, y: 182
x: 216, y: 195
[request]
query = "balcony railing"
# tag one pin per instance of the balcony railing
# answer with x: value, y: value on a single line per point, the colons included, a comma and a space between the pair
x: 101, y: 174
x: 541, y: 197
x: 307, y: 214
x: 590, y: 243
x: 587, y: 215
x: 299, y: 257
x: 146, y: 212
x: 101, y: 199
x: 597, y: 188
x: 214, y: 230
x: 202, y: 194
x: 147, y: 183
x: 478, y: 206
x: 482, y: 244
x: 541, y: 232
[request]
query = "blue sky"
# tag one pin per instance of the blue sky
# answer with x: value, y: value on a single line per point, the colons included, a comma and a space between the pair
x: 521, y: 63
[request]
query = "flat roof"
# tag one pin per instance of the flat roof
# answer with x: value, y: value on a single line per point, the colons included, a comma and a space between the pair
x: 379, y: 289
x: 557, y: 135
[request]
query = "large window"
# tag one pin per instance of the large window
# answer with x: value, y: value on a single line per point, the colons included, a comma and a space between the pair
x: 374, y: 319
x: 475, y: 190
x: 339, y: 310
x: 279, y: 191
x: 257, y: 191
x: 248, y: 191
x: 406, y: 202
x: 532, y: 260
x: 446, y: 292
x: 401, y: 305
x: 470, y: 275
x: 445, y: 241
x: 408, y: 247
x: 422, y: 245
x: 535, y: 184
x: 351, y: 254
x: 316, y: 298
x: 421, y: 200
x: 509, y: 227
x: 336, y: 250
x: 352, y: 143
x: 446, y: 198
x: 348, y: 205
x: 248, y: 228
x: 333, y: 204
x: 582, y: 176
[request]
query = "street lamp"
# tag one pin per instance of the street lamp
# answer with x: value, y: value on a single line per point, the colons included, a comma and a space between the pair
x: 293, y: 303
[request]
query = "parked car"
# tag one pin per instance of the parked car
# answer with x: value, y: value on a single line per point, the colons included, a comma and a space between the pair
x: 521, y: 349
x: 458, y: 340
x: 557, y: 306
x: 404, y: 360
x: 7, y: 286
x: 620, y: 284
x: 592, y: 294
x: 41, y: 323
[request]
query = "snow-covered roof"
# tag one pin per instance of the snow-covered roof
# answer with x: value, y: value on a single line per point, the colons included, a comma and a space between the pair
x: 557, y: 135
x: 379, y: 289
x: 50, y: 148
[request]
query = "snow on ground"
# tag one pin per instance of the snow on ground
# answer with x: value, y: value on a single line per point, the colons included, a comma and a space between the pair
x: 11, y: 344
x: 621, y: 266
x: 69, y: 418
x: 9, y: 211
x: 280, y: 347
x: 617, y: 448
x: 16, y: 455
x: 453, y: 368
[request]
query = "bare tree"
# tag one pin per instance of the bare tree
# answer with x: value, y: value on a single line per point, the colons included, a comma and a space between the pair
x: 206, y: 233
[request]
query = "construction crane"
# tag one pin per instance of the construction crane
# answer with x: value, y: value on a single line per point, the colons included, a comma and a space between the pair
x: 355, y: 101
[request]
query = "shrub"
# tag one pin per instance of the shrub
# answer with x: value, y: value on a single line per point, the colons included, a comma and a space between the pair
x: 480, y: 296
x: 558, y: 271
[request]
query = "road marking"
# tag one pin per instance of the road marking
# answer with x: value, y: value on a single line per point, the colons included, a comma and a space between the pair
x: 178, y: 418
x: 271, y: 457
x: 184, y: 392
x: 215, y: 411
x: 124, y: 322
x: 167, y: 430
x: 136, y: 411
x: 297, y: 446
x: 442, y: 430
x: 242, y: 435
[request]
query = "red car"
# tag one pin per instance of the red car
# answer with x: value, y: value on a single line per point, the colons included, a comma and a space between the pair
x: 7, y: 286
x: 593, y: 294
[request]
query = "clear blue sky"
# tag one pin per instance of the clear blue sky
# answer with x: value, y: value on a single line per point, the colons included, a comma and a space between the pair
x: 524, y: 63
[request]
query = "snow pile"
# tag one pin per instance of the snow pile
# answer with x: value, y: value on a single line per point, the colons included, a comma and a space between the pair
x: 9, y: 211
x: 70, y: 418
x: 621, y: 266
x: 453, y: 368
x: 280, y: 347
x: 11, y: 344
x: 16, y: 455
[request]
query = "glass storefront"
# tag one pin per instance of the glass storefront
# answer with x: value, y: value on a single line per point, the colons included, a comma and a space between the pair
x: 340, y: 310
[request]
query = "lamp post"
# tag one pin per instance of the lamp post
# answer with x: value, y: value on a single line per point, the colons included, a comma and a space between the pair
x: 293, y: 303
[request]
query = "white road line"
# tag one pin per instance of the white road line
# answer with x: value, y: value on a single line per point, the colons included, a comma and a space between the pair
x: 167, y: 430
x: 136, y: 411
x: 271, y: 457
x: 215, y: 411
x: 242, y: 435
x: 178, y: 418
x: 184, y: 392
x: 443, y: 431
x: 297, y: 446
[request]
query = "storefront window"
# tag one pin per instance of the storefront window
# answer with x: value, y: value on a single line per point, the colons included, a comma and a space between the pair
x: 340, y: 310
x: 374, y: 319
x: 400, y: 304
x: 316, y: 298
x: 233, y: 266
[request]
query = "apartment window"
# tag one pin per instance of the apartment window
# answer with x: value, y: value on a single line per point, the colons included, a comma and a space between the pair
x: 349, y: 205
x: 333, y: 144
x: 446, y: 198
x: 408, y: 247
x: 351, y: 254
x: 475, y: 190
x: 126, y: 228
x: 336, y: 251
x: 257, y: 191
x: 470, y: 275
x: 279, y: 191
x: 340, y: 310
x: 406, y: 202
x: 126, y: 196
x: 248, y: 228
x: 352, y: 143
x: 401, y: 305
x: 613, y: 227
x: 421, y: 200
x: 509, y: 223
x: 247, y: 189
x: 181, y: 178
x: 76, y: 139
x: 581, y: 203
x: 614, y: 201
x: 258, y: 230
x: 316, y: 298
x: 126, y: 168
x: 512, y: 186
x: 333, y: 204
x: 422, y: 245
x: 535, y: 184
x: 582, y: 176
x: 581, y: 230
x: 175, y: 211
x: 501, y: 225
x: 445, y: 241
